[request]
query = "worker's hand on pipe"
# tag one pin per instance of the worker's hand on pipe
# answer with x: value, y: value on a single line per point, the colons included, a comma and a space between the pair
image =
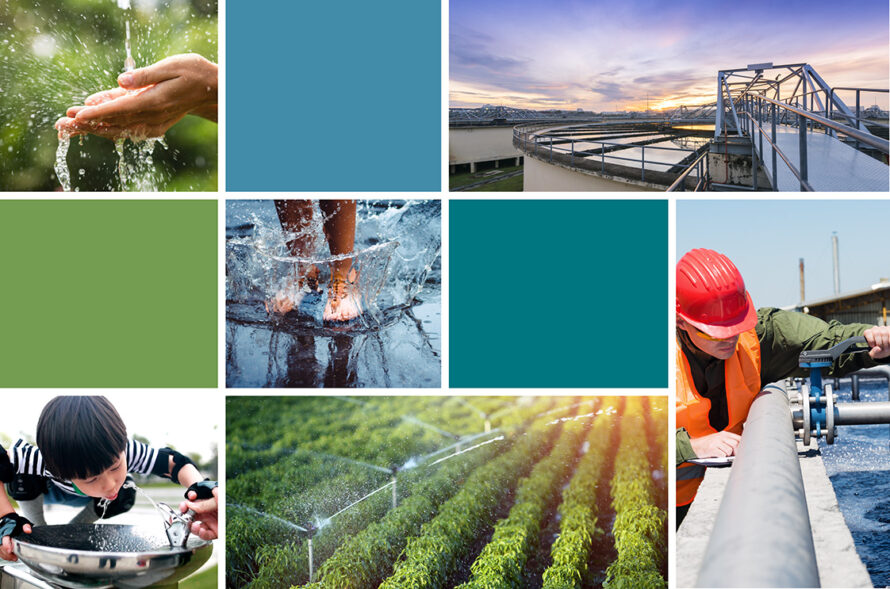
x: 149, y: 100
x: 716, y: 445
x: 11, y: 524
x: 878, y: 339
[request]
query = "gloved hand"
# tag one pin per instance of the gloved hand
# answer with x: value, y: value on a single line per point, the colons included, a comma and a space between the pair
x: 11, y: 524
x: 203, y: 490
x: 123, y: 503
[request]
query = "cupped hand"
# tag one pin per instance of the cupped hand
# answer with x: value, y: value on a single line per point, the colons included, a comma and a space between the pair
x: 149, y: 100
x: 206, y: 521
x: 6, y: 552
x: 716, y: 445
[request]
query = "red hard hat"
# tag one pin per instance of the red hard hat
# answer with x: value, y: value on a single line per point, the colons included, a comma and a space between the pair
x: 711, y: 294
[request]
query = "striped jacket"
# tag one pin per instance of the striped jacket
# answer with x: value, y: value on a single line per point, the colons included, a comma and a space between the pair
x: 27, y: 459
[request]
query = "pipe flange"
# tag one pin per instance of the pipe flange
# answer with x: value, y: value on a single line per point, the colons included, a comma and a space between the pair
x: 805, y: 403
x: 829, y: 414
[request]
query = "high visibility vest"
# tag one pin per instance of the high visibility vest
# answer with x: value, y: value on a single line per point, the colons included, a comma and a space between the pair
x: 742, y: 385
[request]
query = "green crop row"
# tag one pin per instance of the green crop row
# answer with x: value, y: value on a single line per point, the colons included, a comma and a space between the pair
x: 430, y: 557
x: 639, y: 523
x: 365, y: 559
x: 578, y: 513
x: 501, y: 563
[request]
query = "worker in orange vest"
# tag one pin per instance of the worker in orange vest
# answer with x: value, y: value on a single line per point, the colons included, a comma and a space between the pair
x: 727, y: 351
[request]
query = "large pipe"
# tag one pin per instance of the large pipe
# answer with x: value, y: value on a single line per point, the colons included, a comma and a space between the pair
x: 862, y: 413
x: 762, y: 535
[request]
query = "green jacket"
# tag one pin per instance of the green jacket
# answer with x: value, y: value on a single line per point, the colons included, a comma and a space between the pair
x: 783, y: 336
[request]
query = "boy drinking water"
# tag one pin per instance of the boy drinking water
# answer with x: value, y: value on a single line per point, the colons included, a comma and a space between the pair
x: 83, y: 459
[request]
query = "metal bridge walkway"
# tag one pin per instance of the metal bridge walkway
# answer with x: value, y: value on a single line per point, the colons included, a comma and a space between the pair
x: 833, y: 165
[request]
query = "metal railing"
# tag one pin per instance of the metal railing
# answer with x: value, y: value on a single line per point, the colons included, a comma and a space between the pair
x: 534, y: 144
x: 762, y: 535
x: 751, y: 106
x: 702, y: 166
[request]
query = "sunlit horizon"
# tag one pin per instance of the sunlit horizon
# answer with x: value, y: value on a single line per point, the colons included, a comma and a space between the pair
x: 599, y: 55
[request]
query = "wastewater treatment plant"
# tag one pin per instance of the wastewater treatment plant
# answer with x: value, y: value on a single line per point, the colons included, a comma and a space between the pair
x: 468, y: 492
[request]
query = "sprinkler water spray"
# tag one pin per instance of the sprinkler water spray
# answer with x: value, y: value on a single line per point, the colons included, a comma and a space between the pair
x: 395, y: 493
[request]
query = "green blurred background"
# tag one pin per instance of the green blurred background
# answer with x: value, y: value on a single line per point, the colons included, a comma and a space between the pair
x: 55, y: 53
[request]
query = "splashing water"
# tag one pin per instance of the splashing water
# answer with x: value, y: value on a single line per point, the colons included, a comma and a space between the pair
x: 61, y: 167
x: 103, y: 505
x: 129, y: 63
x: 396, y: 248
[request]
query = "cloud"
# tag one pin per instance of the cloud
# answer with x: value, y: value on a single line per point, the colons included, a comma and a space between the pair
x: 611, y: 91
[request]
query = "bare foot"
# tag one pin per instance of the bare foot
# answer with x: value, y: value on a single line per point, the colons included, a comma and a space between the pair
x: 286, y: 300
x: 289, y: 298
x: 344, y: 300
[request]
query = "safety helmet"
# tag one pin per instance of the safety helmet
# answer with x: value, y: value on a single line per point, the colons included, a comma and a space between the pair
x: 711, y: 294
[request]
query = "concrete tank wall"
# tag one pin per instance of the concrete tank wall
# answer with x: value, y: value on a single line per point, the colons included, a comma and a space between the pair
x: 540, y: 176
x: 480, y: 144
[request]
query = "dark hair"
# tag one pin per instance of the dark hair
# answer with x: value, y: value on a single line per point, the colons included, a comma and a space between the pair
x: 80, y: 436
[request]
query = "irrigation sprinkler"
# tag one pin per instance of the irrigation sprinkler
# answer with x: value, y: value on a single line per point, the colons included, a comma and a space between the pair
x: 815, y: 410
x: 311, y: 530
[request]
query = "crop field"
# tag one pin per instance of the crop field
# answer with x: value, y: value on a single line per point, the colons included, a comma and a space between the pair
x: 446, y: 492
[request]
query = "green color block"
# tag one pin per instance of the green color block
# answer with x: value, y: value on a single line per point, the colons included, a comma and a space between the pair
x: 108, y: 293
x: 558, y: 293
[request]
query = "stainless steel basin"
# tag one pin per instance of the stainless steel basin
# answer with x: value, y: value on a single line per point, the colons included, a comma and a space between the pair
x: 91, y: 556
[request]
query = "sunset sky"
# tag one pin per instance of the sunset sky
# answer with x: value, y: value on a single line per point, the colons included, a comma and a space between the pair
x: 608, y: 55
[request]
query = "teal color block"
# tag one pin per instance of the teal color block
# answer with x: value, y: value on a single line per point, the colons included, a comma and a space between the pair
x: 333, y: 96
x: 558, y: 293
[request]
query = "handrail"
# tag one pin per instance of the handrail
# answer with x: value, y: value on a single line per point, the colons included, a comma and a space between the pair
x: 861, y: 89
x: 806, y: 186
x: 881, y: 144
x: 680, y: 181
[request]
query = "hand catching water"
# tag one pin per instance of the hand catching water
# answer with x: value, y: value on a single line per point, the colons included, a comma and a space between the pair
x: 149, y: 100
